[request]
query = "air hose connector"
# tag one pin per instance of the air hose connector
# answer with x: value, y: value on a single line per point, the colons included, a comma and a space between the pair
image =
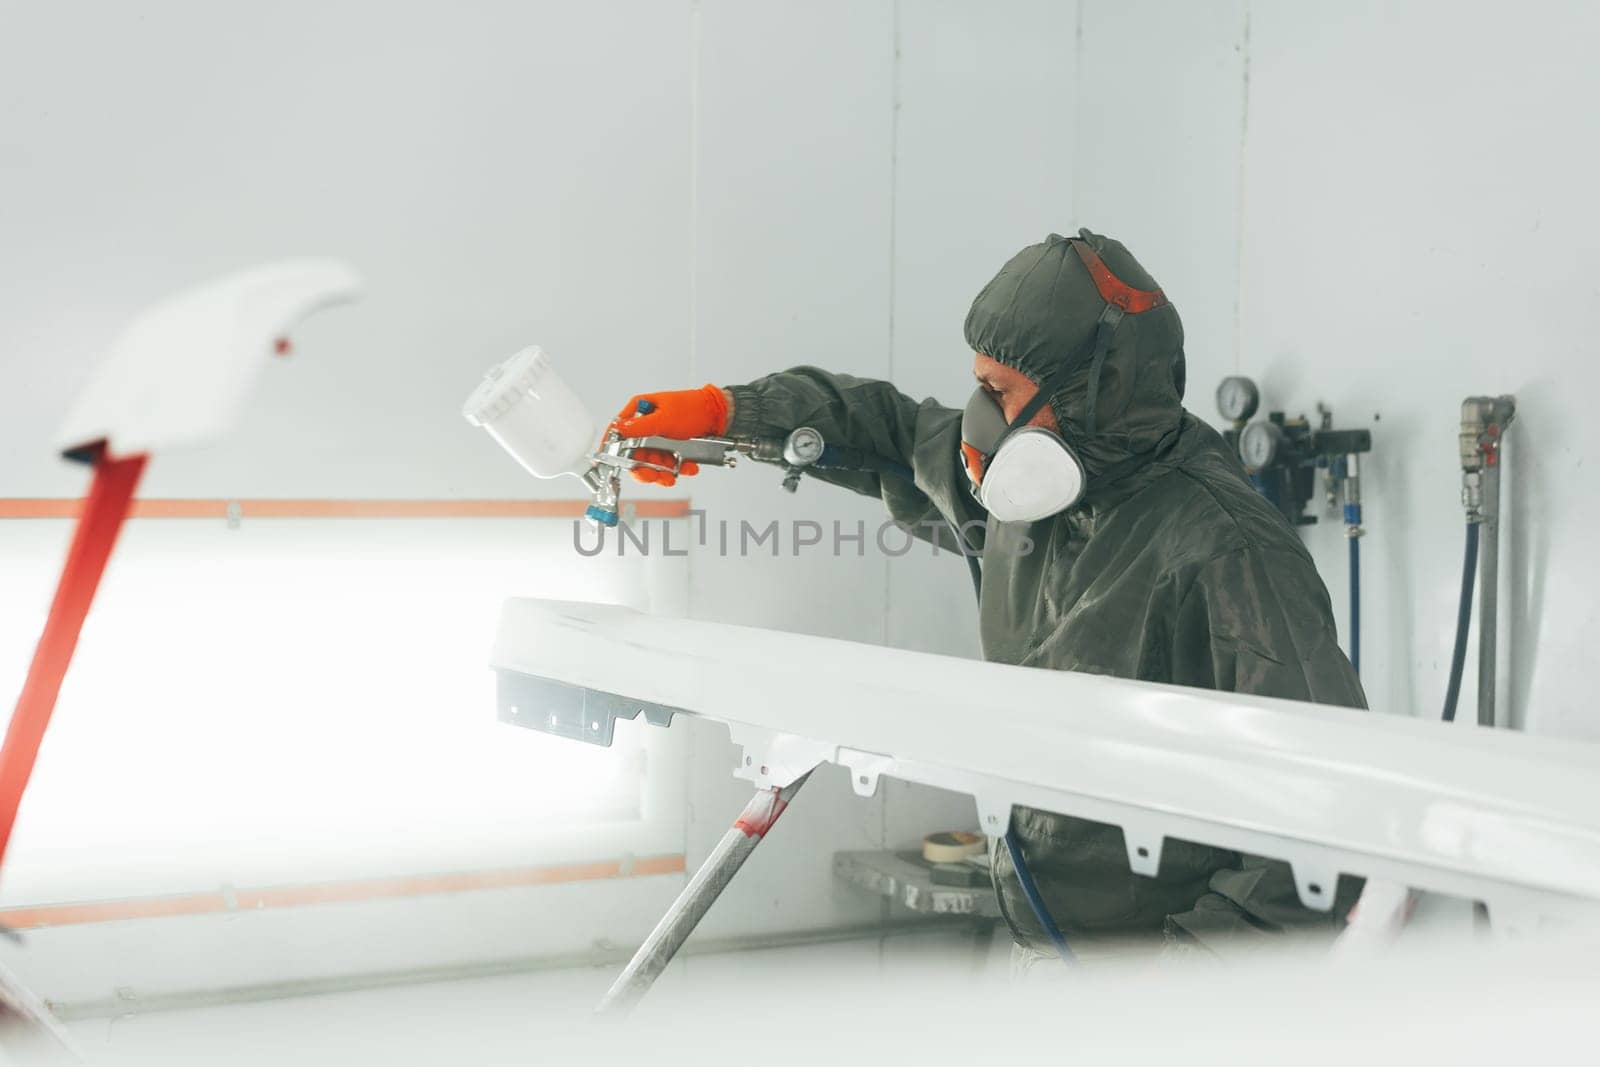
x: 1483, y: 422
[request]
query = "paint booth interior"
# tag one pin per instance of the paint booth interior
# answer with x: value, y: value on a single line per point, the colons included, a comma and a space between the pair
x: 320, y: 777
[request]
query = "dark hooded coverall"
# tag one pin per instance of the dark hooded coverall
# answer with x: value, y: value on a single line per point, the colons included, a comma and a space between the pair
x: 1171, y: 569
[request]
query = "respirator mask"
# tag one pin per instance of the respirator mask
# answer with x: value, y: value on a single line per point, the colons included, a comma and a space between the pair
x: 1019, y: 473
x: 1022, y: 473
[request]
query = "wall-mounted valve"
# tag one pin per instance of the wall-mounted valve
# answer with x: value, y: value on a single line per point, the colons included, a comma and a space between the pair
x: 1483, y: 422
x: 1282, y: 455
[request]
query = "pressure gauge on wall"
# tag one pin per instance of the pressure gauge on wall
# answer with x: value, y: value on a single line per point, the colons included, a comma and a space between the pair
x: 1259, y: 444
x: 1238, y: 398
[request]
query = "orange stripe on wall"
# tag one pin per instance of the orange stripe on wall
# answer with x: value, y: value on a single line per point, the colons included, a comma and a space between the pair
x: 57, y: 508
x: 300, y: 896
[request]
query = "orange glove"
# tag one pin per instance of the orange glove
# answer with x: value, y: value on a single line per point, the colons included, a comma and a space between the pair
x: 680, y: 415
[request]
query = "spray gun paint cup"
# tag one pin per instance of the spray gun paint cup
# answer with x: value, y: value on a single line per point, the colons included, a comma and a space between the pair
x: 525, y: 406
x: 532, y: 413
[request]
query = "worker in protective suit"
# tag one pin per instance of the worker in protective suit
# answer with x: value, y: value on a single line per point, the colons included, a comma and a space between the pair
x: 1118, y: 534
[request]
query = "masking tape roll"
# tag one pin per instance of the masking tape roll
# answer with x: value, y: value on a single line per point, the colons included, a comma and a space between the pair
x: 953, y: 846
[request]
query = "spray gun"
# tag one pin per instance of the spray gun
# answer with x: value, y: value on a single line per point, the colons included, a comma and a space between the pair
x: 617, y: 454
x: 535, y: 416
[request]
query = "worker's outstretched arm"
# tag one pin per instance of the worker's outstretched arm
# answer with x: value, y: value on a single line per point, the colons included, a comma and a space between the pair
x: 870, y: 418
x: 873, y: 418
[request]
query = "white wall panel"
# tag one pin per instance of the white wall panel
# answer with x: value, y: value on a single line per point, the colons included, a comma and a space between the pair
x: 501, y: 173
x: 1161, y: 119
x: 791, y: 266
x: 1384, y: 208
x: 1420, y: 226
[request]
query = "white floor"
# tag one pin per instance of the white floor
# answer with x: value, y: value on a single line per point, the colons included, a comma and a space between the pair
x: 511, y: 1019
x: 923, y: 999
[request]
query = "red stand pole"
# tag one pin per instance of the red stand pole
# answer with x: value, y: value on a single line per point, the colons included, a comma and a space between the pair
x: 110, y: 497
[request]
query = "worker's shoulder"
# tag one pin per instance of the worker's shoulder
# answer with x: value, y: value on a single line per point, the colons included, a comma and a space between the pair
x: 1208, y: 508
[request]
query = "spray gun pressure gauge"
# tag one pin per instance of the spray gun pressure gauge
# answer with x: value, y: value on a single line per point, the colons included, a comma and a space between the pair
x: 803, y: 447
x: 1238, y: 398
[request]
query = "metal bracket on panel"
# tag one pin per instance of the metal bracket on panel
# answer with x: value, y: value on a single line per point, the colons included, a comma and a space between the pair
x: 1144, y: 848
x: 570, y: 711
x: 1316, y: 883
x: 771, y: 760
x: 865, y: 769
x: 994, y: 814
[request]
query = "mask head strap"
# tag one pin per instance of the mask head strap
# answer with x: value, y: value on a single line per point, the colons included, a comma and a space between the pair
x: 1121, y: 299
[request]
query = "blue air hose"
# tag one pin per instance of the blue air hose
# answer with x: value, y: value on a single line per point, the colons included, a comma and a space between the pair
x: 1463, y: 623
x: 1355, y: 604
x: 1031, y: 890
x: 1352, y: 522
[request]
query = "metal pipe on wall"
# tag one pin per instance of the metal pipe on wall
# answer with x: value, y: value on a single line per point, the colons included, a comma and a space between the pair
x: 1483, y: 424
x: 1488, y: 594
